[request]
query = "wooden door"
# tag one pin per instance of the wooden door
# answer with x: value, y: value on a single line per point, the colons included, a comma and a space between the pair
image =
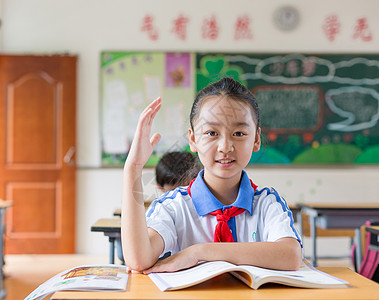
x: 37, y: 146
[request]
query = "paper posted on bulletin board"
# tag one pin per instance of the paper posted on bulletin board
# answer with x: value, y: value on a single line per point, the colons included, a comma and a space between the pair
x: 130, y: 81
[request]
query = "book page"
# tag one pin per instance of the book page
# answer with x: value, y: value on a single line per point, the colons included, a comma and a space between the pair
x: 306, y: 274
x: 191, y: 276
x: 88, y: 278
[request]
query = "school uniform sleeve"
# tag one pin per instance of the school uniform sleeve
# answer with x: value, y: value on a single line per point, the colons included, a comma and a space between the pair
x: 160, y: 216
x: 278, y: 219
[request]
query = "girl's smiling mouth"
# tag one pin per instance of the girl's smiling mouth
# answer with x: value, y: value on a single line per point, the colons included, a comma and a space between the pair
x: 225, y: 162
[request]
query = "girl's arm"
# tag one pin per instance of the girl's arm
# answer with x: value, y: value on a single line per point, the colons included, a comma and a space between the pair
x: 141, y: 246
x: 283, y: 254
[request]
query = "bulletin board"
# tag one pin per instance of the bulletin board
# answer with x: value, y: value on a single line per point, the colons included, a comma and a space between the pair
x: 315, y: 109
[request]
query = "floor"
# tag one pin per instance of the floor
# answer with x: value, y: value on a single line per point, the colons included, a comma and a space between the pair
x: 24, y: 273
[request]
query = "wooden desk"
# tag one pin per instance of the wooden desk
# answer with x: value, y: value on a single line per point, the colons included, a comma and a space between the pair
x: 4, y: 204
x: 295, y: 211
x: 117, y: 211
x: 227, y: 287
x: 339, y: 216
x: 112, y: 229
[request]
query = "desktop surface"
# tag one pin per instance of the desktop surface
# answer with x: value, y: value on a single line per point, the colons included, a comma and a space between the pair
x: 227, y: 287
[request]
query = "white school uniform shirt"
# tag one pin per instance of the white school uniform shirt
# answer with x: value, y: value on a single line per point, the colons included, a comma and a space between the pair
x: 181, y: 216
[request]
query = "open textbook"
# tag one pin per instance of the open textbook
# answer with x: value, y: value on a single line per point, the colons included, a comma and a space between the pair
x: 306, y: 277
x: 84, y: 278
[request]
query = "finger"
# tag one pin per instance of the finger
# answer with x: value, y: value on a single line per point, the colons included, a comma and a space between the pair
x: 155, y: 139
x: 148, y: 115
x: 153, y: 269
x: 153, y: 113
x: 152, y: 104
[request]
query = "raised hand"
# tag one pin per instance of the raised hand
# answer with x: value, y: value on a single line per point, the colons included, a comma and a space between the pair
x: 142, y: 145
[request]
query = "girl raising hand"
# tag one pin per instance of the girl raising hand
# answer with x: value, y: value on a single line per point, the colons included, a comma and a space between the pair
x: 222, y: 214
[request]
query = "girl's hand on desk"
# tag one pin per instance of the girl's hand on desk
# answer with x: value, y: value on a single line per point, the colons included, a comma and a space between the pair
x: 130, y: 270
x: 142, y: 145
x: 181, y: 260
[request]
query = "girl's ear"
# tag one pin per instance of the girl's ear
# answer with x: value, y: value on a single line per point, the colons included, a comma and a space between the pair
x: 257, y: 143
x: 191, y: 138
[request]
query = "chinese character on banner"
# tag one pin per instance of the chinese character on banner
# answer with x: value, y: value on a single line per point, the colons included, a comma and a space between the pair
x: 331, y: 27
x: 242, y: 28
x: 148, y: 26
x: 210, y: 29
x: 180, y: 27
x: 362, y: 31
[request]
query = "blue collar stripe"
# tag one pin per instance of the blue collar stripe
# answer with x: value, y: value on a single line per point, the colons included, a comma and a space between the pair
x: 168, y: 195
x: 285, y: 207
x: 205, y: 202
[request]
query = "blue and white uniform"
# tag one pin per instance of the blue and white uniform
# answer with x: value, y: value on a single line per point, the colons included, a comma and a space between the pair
x: 182, y: 218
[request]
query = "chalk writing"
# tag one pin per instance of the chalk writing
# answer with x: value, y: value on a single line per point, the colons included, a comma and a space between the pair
x: 295, y: 108
x: 358, y: 106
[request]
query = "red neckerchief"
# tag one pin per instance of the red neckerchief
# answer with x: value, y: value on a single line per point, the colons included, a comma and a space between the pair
x: 222, y: 230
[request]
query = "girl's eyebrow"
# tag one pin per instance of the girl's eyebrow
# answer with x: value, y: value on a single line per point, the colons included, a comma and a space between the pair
x: 234, y: 124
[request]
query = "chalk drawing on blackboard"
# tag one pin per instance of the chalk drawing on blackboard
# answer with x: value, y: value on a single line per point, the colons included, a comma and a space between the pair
x: 369, y: 156
x: 289, y: 69
x: 361, y: 71
x: 358, y: 106
x: 290, y: 109
x: 296, y: 68
x: 328, y: 154
x: 213, y: 67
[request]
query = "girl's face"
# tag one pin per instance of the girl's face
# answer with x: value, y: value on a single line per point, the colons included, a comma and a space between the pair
x: 224, y: 135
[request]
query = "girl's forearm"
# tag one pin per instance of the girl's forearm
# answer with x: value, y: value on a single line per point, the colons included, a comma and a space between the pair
x: 139, y: 252
x: 284, y: 254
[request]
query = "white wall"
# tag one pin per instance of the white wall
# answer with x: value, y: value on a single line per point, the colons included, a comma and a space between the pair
x: 86, y: 27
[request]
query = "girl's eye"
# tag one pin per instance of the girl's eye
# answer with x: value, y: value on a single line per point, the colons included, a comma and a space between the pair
x: 239, y: 133
x: 211, y: 133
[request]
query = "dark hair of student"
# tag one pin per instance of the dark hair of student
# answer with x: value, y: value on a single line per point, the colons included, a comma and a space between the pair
x: 230, y: 88
x: 177, y: 168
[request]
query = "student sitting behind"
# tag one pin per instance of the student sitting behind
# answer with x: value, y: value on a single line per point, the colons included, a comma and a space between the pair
x: 222, y: 214
x: 175, y: 169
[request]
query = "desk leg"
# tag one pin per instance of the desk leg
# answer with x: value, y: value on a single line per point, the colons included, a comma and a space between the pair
x: 312, y: 221
x: 3, y: 292
x: 358, y: 252
x: 111, y: 250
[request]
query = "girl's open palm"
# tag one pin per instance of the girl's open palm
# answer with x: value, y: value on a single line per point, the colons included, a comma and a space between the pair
x: 142, y: 145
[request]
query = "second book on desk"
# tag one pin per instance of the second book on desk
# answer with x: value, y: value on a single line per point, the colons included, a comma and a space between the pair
x: 84, y: 278
x: 254, y: 277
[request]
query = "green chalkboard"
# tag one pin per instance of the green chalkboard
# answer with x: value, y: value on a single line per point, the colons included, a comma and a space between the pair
x: 315, y: 109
